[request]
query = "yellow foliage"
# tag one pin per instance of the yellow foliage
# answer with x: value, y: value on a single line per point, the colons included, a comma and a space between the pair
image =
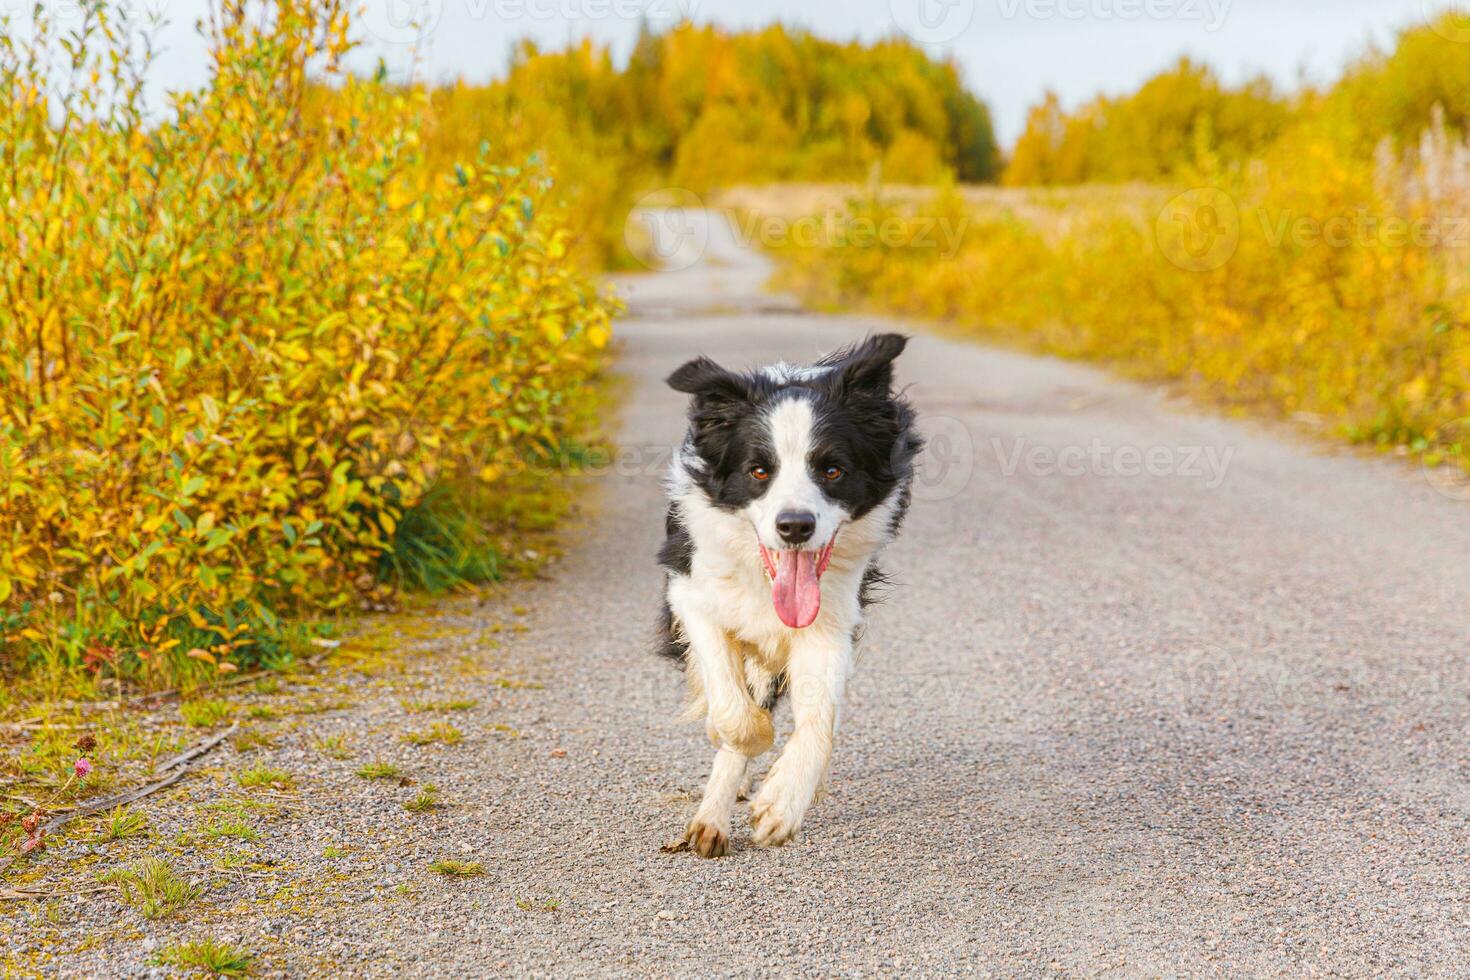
x: 1177, y: 121
x: 699, y: 108
x: 1311, y: 257
x: 1317, y: 282
x: 238, y: 346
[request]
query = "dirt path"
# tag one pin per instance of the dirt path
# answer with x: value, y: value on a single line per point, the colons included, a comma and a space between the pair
x: 1154, y: 694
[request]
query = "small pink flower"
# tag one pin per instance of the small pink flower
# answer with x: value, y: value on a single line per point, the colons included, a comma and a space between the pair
x: 83, y: 767
x: 34, y: 843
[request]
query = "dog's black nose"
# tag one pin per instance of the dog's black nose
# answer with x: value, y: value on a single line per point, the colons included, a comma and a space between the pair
x: 796, y: 526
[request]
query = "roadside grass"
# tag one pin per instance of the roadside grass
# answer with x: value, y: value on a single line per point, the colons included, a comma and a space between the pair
x: 205, y: 713
x: 333, y: 747
x: 426, y: 800
x: 380, y: 770
x: 123, y: 823
x: 513, y: 684
x: 458, y: 704
x: 265, y: 777
x: 241, y: 807
x: 440, y: 733
x: 209, y: 956
x: 154, y: 888
x: 452, y: 868
x: 249, y: 739
x: 229, y: 827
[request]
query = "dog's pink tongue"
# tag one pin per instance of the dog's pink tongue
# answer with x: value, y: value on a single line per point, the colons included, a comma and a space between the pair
x: 795, y: 589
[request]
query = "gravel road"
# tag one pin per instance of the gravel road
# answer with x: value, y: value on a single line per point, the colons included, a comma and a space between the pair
x: 1154, y: 694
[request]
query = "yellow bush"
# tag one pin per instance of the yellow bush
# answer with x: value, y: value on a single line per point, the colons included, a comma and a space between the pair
x: 239, y: 347
x: 1314, y: 260
x: 1315, y: 283
x: 1176, y: 121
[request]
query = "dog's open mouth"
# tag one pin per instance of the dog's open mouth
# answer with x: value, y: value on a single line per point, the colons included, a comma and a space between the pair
x: 796, y: 588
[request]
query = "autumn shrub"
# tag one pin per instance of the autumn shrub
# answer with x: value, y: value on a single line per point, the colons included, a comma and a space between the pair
x: 1176, y: 121
x: 244, y: 347
x: 1184, y: 119
x: 1316, y: 284
x: 1308, y: 256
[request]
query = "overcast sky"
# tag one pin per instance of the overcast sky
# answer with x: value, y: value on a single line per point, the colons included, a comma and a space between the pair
x: 1011, y: 51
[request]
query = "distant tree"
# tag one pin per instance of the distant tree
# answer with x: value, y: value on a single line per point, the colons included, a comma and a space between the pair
x: 1179, y: 120
x: 976, y: 152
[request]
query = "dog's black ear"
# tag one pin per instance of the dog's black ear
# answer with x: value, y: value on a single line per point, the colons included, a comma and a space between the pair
x: 709, y: 383
x: 868, y: 367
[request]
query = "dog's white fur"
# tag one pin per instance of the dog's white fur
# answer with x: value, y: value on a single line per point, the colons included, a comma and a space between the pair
x: 739, y: 645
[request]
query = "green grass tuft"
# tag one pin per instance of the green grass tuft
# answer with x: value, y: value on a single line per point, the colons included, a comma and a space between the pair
x: 380, y: 770
x: 457, y: 869
x: 439, y: 545
x: 442, y: 733
x: 210, y: 956
x: 334, y: 747
x: 247, y: 739
x: 153, y: 888
x: 122, y: 823
x: 427, y: 799
x: 206, y: 713
x: 264, y: 777
x: 455, y: 704
x: 230, y: 827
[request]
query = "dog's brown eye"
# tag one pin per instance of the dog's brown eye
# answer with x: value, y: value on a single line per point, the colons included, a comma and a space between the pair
x: 833, y: 473
x: 760, y: 473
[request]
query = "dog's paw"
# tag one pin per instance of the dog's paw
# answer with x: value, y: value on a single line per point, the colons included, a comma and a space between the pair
x: 775, y: 815
x: 707, y: 839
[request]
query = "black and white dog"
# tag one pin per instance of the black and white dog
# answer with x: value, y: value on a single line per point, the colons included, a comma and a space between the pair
x: 789, y: 482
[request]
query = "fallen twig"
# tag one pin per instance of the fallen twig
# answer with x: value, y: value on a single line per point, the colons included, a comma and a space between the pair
x: 29, y: 894
x: 199, y: 749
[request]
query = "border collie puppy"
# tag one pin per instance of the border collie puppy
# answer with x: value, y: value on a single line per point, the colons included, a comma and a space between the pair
x: 789, y: 482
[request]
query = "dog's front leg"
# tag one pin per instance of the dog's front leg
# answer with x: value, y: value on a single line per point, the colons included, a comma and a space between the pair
x: 739, y: 728
x: 732, y: 718
x: 709, y: 830
x: 817, y: 676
